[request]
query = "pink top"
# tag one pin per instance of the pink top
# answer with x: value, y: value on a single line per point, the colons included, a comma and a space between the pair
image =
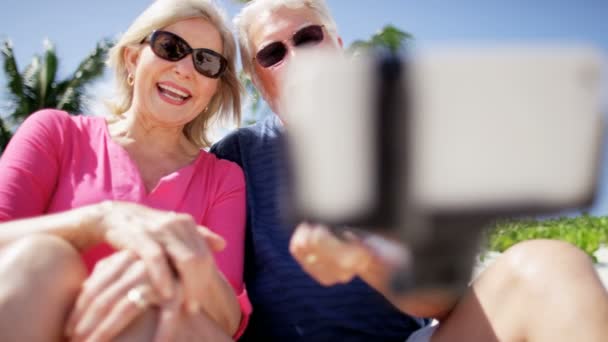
x: 57, y: 162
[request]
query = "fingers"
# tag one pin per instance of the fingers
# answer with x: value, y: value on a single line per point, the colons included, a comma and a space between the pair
x: 174, y: 241
x: 325, y: 257
x: 305, y: 253
x: 192, y: 260
x: 187, y: 246
x: 215, y: 242
x: 113, y: 298
x: 106, y: 271
x: 171, y: 246
x: 154, y: 257
x: 123, y: 313
x: 169, y: 318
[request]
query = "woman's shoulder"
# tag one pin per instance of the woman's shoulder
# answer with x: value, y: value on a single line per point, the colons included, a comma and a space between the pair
x: 52, y: 117
x: 60, y: 125
x: 50, y: 123
x: 48, y: 117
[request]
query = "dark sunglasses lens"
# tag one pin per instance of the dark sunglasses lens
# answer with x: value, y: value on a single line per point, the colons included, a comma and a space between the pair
x: 308, y: 35
x: 168, y: 46
x: 207, y: 63
x: 271, y: 54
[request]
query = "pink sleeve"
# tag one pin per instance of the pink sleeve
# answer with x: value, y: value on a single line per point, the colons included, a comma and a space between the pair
x: 227, y: 218
x: 29, y: 166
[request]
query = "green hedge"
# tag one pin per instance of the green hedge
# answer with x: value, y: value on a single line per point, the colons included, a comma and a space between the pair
x: 586, y: 232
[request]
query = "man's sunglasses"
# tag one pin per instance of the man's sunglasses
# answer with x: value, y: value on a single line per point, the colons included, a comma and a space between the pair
x: 172, y: 47
x: 274, y: 53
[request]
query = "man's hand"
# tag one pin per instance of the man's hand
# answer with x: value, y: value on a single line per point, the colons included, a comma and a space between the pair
x: 331, y: 260
x: 327, y: 258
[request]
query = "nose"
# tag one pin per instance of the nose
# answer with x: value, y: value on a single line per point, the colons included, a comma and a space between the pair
x: 289, y: 55
x: 291, y: 52
x: 184, y: 67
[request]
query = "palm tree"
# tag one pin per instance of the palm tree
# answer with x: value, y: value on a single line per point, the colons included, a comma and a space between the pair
x: 37, y: 86
x: 389, y: 37
x: 5, y: 135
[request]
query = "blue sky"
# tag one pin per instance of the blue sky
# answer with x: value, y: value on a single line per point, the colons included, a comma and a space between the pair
x: 75, y: 26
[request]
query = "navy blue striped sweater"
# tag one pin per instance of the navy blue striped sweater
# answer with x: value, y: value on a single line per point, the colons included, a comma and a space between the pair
x: 288, y: 305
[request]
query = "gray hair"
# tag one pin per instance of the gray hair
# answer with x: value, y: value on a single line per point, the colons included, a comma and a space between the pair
x: 253, y: 9
x: 225, y: 104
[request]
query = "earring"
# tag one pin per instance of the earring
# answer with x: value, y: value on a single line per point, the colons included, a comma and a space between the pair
x: 130, y: 80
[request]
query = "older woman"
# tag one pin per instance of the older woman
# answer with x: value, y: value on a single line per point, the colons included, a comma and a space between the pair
x: 75, y: 189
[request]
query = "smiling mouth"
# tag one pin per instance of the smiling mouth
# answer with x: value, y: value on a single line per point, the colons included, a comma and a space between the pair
x: 175, y: 95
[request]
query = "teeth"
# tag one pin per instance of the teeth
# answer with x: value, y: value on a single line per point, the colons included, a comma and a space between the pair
x: 173, y: 90
x: 176, y: 98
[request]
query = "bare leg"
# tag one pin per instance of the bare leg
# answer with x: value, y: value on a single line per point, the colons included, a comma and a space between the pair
x: 39, y: 279
x: 537, y: 291
x: 190, y: 328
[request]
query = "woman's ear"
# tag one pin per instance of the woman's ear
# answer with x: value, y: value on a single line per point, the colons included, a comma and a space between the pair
x: 131, y: 57
x: 340, y: 42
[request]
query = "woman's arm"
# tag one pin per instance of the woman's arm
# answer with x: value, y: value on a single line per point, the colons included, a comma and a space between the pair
x: 30, y: 168
x: 219, y: 301
x: 228, y: 305
x: 80, y: 226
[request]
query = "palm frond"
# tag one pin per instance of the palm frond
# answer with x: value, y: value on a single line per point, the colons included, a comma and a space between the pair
x: 89, y: 69
x: 48, y: 71
x: 5, y: 136
x: 15, y: 82
x: 71, y: 100
x: 252, y: 92
x: 389, y: 37
x: 28, y: 102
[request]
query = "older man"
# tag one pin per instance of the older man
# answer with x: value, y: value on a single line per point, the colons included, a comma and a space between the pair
x: 288, y: 304
x: 508, y: 302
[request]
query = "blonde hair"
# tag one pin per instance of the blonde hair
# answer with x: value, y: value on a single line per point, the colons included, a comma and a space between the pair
x: 225, y: 105
x: 254, y: 9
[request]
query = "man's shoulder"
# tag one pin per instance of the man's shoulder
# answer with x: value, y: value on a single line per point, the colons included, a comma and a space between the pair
x: 247, y: 140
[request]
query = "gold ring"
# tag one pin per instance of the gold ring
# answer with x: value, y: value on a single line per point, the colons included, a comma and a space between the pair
x: 136, y: 296
x: 311, y: 258
x: 194, y: 307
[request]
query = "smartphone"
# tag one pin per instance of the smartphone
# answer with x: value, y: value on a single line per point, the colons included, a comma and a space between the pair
x: 507, y: 129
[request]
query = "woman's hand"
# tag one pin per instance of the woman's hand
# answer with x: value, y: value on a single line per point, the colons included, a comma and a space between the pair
x: 172, y: 246
x: 115, y: 294
x: 325, y: 257
x: 103, y: 308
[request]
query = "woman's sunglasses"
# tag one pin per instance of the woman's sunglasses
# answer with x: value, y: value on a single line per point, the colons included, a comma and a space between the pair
x: 274, y: 53
x: 172, y: 47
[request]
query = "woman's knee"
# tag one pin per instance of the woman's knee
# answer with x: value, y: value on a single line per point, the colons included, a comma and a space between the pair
x: 43, y: 256
x: 142, y: 328
x: 41, y: 278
